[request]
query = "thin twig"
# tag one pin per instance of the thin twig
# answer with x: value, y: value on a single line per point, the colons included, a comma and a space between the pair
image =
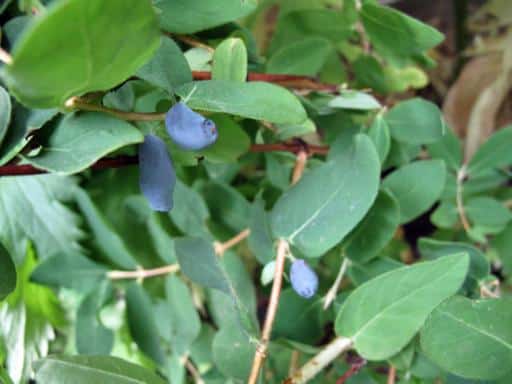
x: 320, y: 361
x: 122, y: 161
x: 261, y: 349
x: 192, y: 41
x: 355, y: 367
x: 193, y: 372
x: 221, y: 248
x: 300, y: 165
x: 331, y: 294
x: 77, y: 103
x: 461, y: 176
x: 391, y: 375
x: 5, y: 57
x: 294, y: 362
x: 143, y: 273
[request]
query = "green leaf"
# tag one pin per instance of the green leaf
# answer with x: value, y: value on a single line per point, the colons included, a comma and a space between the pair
x: 254, y: 100
x: 80, y: 140
x: 447, y: 148
x: 182, y: 323
x: 63, y: 54
x: 305, y: 57
x: 479, y: 267
x: 260, y: 238
x: 287, y: 131
x: 142, y: 322
x: 494, y: 153
x: 190, y: 16
x: 233, y: 352
x: 70, y: 270
x: 488, y: 214
x: 396, y: 34
x: 230, y: 60
x: 361, y: 273
x: 369, y: 315
x: 416, y: 186
x: 356, y: 100
x: 416, y: 121
x: 168, y: 68
x: 200, y: 264
x: 21, y: 218
x: 232, y: 143
x: 190, y: 211
x: 5, y: 112
x: 339, y: 193
x: 472, y: 339
x: 298, y: 319
x: 92, y: 337
x: 377, y: 228
x: 87, y: 369
x: 379, y: 133
x: 8, y: 273
x: 502, y: 243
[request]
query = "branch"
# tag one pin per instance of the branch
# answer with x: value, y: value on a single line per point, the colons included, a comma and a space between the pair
x: 193, y: 42
x: 391, y: 375
x: 141, y: 274
x: 461, y: 175
x: 355, y: 367
x: 261, y: 349
x: 300, y: 165
x: 221, y: 248
x: 320, y: 361
x: 331, y: 294
x: 77, y: 103
x: 122, y: 161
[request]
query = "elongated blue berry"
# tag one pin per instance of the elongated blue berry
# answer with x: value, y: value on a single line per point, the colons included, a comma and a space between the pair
x: 156, y: 173
x: 304, y: 279
x: 189, y: 129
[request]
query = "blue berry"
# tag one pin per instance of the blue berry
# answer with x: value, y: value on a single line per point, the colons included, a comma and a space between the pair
x: 156, y: 173
x: 304, y: 280
x: 189, y: 129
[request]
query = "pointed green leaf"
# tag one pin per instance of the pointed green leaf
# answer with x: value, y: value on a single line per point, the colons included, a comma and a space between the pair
x: 7, y: 273
x: 382, y: 315
x: 494, y: 153
x: 88, y: 369
x: 63, y: 54
x: 230, y: 60
x: 355, y: 100
x: 254, y: 100
x: 379, y: 133
x: 472, y: 339
x: 339, y: 193
x: 5, y: 112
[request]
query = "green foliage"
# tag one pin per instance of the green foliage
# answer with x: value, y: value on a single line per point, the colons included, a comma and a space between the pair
x: 97, y: 287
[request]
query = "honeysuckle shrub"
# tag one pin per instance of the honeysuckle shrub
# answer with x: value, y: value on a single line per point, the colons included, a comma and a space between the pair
x: 159, y: 268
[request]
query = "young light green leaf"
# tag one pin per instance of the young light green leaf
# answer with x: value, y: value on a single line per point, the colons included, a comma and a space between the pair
x: 369, y: 315
x: 230, y: 60
x: 494, y: 153
x: 254, y: 100
x: 70, y: 270
x: 190, y: 16
x: 105, y: 238
x: 168, y: 68
x: 487, y: 213
x: 339, y: 192
x: 79, y: 140
x: 305, y: 57
x: 375, y: 230
x: 267, y: 273
x: 355, y: 100
x: 63, y: 54
x: 92, y: 337
x: 472, y: 339
x: 379, y: 133
x: 416, y: 121
x: 5, y: 112
x: 87, y: 369
x: 395, y: 34
x: 416, y: 186
x: 8, y: 273
x: 142, y: 322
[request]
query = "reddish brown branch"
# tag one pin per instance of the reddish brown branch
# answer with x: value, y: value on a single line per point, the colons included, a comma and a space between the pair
x: 291, y: 81
x: 123, y: 161
x: 355, y: 367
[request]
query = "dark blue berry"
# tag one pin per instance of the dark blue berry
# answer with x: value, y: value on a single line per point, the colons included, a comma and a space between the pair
x: 156, y: 173
x: 189, y: 129
x: 304, y: 280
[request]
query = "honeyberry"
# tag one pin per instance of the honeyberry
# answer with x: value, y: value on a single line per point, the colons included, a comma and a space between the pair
x: 156, y: 173
x: 304, y: 280
x: 189, y: 129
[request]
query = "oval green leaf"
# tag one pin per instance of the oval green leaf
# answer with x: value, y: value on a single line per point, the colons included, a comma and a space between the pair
x: 230, y: 60
x: 383, y: 315
x: 339, y: 193
x: 64, y: 54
